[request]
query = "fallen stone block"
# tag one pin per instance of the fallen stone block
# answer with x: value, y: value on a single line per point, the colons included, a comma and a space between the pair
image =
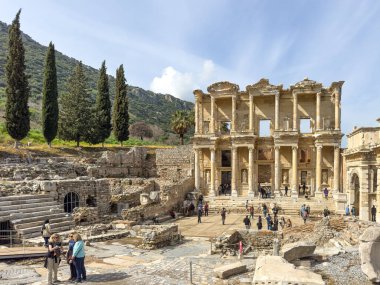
x: 293, y: 251
x: 276, y: 270
x: 369, y: 248
x: 228, y: 270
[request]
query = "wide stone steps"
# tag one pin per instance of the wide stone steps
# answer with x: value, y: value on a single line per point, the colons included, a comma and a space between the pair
x: 27, y: 214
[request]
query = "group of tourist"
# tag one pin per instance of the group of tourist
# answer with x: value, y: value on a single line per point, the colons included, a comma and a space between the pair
x: 75, y: 255
x: 353, y: 211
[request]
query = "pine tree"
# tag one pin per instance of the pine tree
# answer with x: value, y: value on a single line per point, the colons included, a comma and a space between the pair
x: 17, y: 91
x: 103, y: 107
x: 120, y: 108
x: 50, y: 97
x: 75, y: 111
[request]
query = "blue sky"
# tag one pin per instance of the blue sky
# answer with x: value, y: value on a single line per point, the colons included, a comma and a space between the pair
x: 175, y: 46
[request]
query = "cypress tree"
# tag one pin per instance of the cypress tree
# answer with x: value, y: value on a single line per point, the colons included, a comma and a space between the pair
x: 75, y: 111
x: 120, y: 108
x: 50, y: 97
x: 103, y: 106
x: 17, y: 118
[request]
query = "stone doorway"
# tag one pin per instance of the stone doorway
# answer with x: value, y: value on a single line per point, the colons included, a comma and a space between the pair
x: 355, y: 185
x: 70, y: 202
x: 225, y: 187
x: 5, y: 232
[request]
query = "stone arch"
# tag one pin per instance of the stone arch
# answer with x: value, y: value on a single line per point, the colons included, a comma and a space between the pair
x: 70, y: 202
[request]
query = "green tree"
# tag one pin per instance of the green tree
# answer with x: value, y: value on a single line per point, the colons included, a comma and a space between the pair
x: 120, y: 113
x: 17, y: 117
x: 75, y: 112
x: 103, y: 107
x: 50, y: 97
x: 141, y: 130
x: 181, y: 122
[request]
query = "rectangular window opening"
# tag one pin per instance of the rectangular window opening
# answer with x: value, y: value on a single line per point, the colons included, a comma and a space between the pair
x: 264, y: 128
x: 305, y: 126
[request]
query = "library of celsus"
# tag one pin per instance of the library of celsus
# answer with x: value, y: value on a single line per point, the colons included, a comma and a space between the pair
x: 268, y: 137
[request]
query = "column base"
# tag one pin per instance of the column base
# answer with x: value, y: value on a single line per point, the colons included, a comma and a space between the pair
x: 211, y: 193
x: 234, y: 193
x: 294, y: 194
x: 251, y: 195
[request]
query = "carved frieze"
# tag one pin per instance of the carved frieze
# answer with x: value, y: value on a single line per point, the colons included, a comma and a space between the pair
x: 263, y: 87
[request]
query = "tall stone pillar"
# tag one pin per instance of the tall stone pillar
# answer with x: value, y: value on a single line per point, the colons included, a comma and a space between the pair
x: 378, y: 194
x: 277, y: 111
x: 277, y: 170
x: 234, y: 175
x: 196, y: 116
x: 213, y: 115
x: 318, y: 112
x: 336, y: 168
x: 233, y: 122
x: 337, y: 110
x: 295, y: 111
x: 295, y: 171
x: 196, y: 170
x: 213, y: 172
x: 318, y: 169
x: 251, y: 191
x: 251, y: 113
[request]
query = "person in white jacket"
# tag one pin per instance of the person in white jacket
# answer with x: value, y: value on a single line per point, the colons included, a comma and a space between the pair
x: 46, y: 232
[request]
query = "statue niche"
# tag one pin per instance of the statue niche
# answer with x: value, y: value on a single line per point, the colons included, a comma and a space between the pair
x: 244, y: 176
x: 265, y: 154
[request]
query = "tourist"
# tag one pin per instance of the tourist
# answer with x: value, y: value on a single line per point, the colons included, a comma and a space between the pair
x: 259, y: 223
x: 53, y: 258
x: 288, y: 223
x: 347, y: 210
x: 275, y: 224
x: 282, y: 222
x: 78, y: 258
x: 268, y: 194
x: 247, y: 222
x: 269, y: 222
x: 191, y: 209
x: 251, y: 212
x: 326, y: 193
x: 172, y: 213
x: 275, y: 210
x: 246, y: 205
x: 302, y: 210
x: 265, y: 210
x: 304, y: 188
x: 69, y: 254
x: 199, y: 213
x: 46, y: 232
x: 286, y: 190
x: 304, y: 216
x: 326, y: 212
x: 308, y: 210
x: 223, y: 214
x: 206, y: 209
x: 373, y: 213
x: 353, y: 211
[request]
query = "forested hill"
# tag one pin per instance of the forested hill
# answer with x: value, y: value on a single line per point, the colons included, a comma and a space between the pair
x: 153, y: 108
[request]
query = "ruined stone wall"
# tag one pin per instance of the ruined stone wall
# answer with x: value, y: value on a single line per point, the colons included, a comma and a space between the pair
x: 175, y: 164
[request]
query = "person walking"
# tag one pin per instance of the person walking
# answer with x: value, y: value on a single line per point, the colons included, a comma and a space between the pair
x: 78, y: 258
x: 326, y: 193
x: 46, y: 232
x: 265, y: 210
x: 69, y: 255
x: 247, y: 222
x: 373, y: 213
x: 353, y: 211
x: 251, y: 212
x: 286, y: 190
x: 259, y: 223
x: 269, y: 222
x: 326, y: 212
x: 53, y: 258
x: 347, y: 210
x: 223, y: 214
x: 246, y: 205
x: 282, y: 222
x: 199, y: 213
x: 206, y: 209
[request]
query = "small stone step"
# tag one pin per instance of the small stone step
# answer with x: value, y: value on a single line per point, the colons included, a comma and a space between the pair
x: 25, y: 201
x: 36, y: 234
x: 39, y: 223
x: 22, y: 207
x: 38, y: 228
x: 39, y: 218
x: 22, y: 197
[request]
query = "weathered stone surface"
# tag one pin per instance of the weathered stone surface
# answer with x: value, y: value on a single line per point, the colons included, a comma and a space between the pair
x: 228, y: 270
x: 273, y: 269
x: 369, y: 248
x: 293, y: 251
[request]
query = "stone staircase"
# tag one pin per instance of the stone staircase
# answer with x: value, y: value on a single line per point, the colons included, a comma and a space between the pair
x: 27, y: 213
x: 288, y: 205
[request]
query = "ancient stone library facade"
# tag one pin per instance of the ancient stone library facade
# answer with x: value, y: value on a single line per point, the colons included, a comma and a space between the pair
x: 362, y: 163
x: 268, y: 136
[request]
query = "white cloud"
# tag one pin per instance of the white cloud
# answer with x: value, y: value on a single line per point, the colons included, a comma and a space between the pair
x: 181, y: 84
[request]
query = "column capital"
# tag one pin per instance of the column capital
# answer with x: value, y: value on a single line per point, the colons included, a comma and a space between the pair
x: 212, y: 148
x: 251, y: 148
x: 295, y: 93
x: 319, y: 93
x: 277, y: 147
x: 318, y: 146
x: 294, y: 147
x: 234, y: 147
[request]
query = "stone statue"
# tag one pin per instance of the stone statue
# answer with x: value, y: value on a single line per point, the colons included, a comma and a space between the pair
x: 324, y: 177
x: 244, y: 176
x: 285, y: 177
x: 208, y: 176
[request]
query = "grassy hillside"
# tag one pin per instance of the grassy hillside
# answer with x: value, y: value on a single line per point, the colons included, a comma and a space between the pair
x: 155, y: 109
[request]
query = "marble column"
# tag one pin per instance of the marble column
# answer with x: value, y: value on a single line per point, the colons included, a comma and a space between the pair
x: 336, y: 168
x: 251, y: 191
x: 196, y: 115
x: 213, y: 114
x: 251, y: 113
x: 295, y: 111
x: 200, y: 116
x: 277, y: 111
x: 337, y: 110
x: 277, y: 170
x: 318, y: 169
x: 233, y: 121
x: 234, y: 175
x: 294, y: 171
x: 378, y: 194
x: 213, y: 172
x: 318, y: 112
x: 196, y: 170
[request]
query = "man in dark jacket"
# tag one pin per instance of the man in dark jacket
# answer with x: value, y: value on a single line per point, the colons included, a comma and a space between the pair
x: 247, y: 222
x: 373, y: 213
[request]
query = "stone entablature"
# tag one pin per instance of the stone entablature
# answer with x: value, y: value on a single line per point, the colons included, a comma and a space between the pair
x: 228, y: 122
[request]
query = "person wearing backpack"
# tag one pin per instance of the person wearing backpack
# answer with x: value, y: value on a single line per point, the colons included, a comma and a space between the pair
x: 53, y: 258
x: 46, y: 232
x: 78, y: 258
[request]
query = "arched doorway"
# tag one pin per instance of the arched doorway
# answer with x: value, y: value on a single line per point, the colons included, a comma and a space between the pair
x: 70, y: 202
x: 355, y: 186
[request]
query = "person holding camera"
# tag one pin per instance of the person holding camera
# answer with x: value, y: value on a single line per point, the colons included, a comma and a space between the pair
x: 69, y: 255
x: 53, y: 257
